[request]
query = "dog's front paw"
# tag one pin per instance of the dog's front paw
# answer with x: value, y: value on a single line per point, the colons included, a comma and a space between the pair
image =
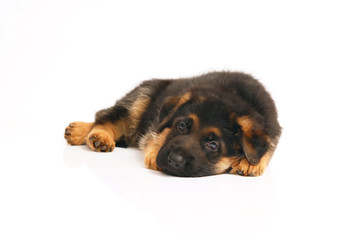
x: 76, y: 132
x: 100, y: 141
x: 244, y: 168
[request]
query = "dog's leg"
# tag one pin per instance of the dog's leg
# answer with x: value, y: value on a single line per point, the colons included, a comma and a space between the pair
x: 118, y: 122
x: 99, y: 137
x: 124, y: 122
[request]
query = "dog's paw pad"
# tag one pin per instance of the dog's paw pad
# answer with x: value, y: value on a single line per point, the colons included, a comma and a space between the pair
x: 101, y: 141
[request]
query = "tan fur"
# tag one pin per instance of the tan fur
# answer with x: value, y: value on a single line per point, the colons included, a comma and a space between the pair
x: 102, y: 137
x: 246, y: 125
x: 224, y: 164
x: 76, y: 132
x: 196, y: 121
x: 201, y: 98
x: 206, y: 131
x: 153, y: 147
x: 136, y: 112
x: 172, y: 100
x: 127, y: 126
x: 180, y: 101
x: 183, y: 99
x: 243, y: 167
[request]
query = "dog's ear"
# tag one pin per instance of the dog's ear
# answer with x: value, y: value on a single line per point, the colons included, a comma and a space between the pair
x: 251, y: 140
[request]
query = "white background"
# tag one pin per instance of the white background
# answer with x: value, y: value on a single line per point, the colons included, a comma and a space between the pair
x: 61, y: 61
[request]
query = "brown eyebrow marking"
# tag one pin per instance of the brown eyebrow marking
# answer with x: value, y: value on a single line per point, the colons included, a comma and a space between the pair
x: 196, y: 121
x: 214, y: 130
x: 183, y: 99
x: 177, y: 101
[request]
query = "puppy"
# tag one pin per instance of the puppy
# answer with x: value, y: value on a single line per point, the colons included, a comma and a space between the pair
x: 220, y: 122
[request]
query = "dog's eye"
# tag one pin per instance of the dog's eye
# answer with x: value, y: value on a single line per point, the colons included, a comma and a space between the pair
x: 213, y: 146
x: 182, y: 126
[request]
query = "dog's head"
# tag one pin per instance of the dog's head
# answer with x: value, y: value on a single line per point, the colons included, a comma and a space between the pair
x: 206, y: 135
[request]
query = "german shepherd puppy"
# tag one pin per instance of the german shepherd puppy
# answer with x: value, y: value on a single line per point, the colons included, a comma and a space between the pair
x: 220, y: 122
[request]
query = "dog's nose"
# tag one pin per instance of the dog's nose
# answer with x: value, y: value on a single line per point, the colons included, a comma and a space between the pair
x: 175, y: 160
